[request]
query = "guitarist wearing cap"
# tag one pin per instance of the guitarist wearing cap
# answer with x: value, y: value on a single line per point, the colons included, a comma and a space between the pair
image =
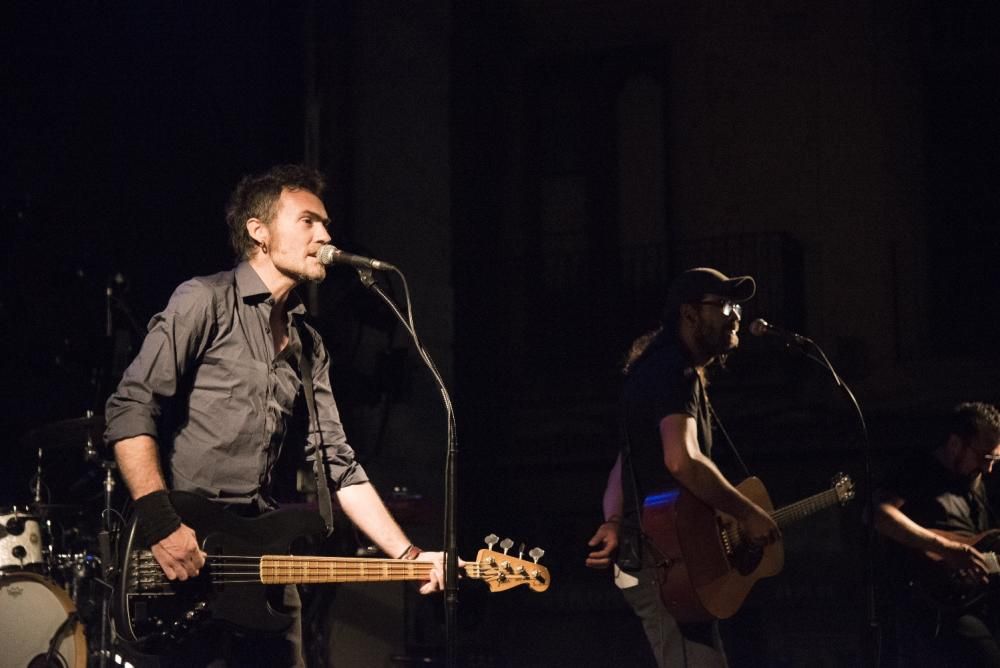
x: 935, y: 510
x: 667, y: 444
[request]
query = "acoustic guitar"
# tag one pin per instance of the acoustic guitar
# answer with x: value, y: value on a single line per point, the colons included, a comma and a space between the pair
x: 709, y: 566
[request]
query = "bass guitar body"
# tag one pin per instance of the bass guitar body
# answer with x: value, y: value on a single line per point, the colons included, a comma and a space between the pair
x: 150, y: 610
x: 931, y: 580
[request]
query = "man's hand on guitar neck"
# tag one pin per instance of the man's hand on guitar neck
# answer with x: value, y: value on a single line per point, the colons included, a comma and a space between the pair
x: 967, y: 561
x: 179, y: 555
x: 436, y: 581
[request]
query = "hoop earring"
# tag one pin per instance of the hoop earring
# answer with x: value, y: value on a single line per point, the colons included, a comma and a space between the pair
x: 263, y: 247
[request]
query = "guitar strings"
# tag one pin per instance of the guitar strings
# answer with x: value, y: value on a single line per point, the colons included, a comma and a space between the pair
x: 804, y: 505
x: 236, y: 569
x: 265, y: 569
x: 793, y: 511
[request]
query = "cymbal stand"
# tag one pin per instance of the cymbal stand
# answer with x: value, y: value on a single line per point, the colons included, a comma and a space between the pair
x: 91, y: 454
x: 104, y: 546
x: 38, y: 480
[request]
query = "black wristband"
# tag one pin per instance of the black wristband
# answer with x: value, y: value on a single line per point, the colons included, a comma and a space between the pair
x: 157, y: 518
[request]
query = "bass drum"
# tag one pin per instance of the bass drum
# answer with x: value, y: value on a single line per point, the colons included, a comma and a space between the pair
x: 33, y: 611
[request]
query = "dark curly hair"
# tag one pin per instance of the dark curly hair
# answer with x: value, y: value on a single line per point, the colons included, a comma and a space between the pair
x: 257, y: 195
x: 975, y: 420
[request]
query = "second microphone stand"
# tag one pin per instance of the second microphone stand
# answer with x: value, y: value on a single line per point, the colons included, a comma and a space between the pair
x: 820, y: 358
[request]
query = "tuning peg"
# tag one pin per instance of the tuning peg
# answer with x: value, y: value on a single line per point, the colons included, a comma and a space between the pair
x: 536, y: 554
x: 506, y: 544
x: 491, y: 540
x: 520, y: 552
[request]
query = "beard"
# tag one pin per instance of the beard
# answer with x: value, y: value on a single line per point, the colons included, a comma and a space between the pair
x: 715, y: 341
x: 300, y: 269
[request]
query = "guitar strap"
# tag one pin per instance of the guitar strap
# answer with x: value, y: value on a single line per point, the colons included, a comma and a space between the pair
x: 714, y: 418
x: 319, y: 458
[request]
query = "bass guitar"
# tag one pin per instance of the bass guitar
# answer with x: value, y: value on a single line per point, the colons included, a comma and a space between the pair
x: 709, y: 567
x: 246, y: 558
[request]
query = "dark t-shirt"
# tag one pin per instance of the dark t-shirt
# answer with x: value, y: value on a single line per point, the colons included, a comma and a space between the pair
x: 663, y: 382
x: 936, y: 498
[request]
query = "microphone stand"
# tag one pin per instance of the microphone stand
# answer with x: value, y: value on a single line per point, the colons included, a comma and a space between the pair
x: 450, y: 532
x: 873, y: 622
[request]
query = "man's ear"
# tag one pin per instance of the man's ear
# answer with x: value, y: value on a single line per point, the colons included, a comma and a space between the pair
x: 689, y: 313
x: 257, y: 230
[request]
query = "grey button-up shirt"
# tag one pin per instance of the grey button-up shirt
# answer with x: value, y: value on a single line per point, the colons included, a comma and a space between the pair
x: 209, y: 387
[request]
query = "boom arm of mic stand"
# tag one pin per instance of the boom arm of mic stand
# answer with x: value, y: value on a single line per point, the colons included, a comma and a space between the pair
x: 451, y: 538
x: 873, y: 623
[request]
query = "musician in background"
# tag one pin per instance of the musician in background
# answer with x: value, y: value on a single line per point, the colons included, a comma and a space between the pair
x: 668, y: 443
x: 207, y: 402
x: 943, y: 491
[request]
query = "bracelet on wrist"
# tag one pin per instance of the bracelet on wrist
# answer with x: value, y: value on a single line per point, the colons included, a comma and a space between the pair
x: 410, y: 553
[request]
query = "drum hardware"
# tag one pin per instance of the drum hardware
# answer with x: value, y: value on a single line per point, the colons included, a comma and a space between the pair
x: 38, y: 479
x: 74, y: 559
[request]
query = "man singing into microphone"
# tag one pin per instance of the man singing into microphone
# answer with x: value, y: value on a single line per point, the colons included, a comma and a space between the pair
x: 668, y: 443
x: 207, y: 402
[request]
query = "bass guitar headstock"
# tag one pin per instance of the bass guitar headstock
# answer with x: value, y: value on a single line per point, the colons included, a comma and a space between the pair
x: 502, y: 571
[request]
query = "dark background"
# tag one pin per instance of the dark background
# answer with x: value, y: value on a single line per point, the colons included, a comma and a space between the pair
x: 540, y: 169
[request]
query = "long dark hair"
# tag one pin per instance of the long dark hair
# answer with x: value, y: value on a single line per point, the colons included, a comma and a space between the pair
x: 639, y: 347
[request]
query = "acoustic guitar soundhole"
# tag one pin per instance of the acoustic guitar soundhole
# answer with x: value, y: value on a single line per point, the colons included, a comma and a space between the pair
x: 746, y: 557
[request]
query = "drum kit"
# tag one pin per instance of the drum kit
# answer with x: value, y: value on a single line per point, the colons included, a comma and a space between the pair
x: 54, y: 557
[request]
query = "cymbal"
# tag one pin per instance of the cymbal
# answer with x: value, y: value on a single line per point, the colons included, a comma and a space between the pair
x: 65, y: 434
x: 46, y: 508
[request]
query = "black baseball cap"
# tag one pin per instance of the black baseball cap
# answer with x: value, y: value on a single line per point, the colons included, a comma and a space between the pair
x: 694, y: 284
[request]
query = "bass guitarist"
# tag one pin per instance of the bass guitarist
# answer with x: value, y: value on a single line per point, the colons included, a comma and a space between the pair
x: 224, y: 370
x: 668, y: 442
x: 934, y: 509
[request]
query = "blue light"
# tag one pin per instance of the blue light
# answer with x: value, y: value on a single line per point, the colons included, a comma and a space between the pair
x: 663, y: 499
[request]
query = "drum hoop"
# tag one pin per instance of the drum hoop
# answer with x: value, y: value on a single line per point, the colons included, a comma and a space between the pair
x: 79, y: 635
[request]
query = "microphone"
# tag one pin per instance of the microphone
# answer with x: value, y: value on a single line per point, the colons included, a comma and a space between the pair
x: 330, y: 254
x: 761, y: 327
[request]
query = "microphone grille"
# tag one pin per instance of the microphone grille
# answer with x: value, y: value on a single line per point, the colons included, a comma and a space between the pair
x: 759, y: 327
x: 327, y: 254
